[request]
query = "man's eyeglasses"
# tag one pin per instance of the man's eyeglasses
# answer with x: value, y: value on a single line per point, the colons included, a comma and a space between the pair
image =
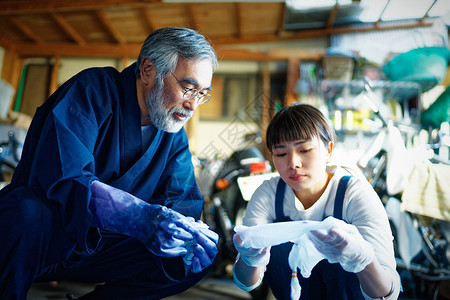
x: 192, y: 93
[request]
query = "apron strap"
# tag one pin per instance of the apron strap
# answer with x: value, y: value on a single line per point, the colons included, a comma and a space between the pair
x: 339, y: 200
x: 279, y: 200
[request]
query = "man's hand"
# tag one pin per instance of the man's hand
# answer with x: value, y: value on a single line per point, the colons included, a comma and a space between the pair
x: 164, y: 231
x: 202, y: 249
x: 169, y: 233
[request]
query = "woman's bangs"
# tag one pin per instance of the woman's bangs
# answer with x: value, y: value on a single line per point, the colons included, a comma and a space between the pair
x: 291, y: 129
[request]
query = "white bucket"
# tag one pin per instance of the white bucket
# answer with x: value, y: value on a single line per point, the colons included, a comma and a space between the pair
x: 6, y: 94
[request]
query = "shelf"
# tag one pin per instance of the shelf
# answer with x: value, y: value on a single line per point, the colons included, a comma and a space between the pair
x: 391, y: 89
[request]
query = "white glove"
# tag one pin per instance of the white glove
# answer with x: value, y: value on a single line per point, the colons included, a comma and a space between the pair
x: 342, y: 243
x: 254, y: 257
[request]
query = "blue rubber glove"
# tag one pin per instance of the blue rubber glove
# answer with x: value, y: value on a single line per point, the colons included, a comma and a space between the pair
x: 202, y: 250
x: 162, y: 230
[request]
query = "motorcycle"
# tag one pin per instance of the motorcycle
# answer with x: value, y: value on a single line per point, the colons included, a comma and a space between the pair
x: 421, y: 236
x: 10, y: 152
x: 226, y: 186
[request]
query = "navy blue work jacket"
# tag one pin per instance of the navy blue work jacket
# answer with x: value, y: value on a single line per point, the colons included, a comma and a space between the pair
x: 90, y: 128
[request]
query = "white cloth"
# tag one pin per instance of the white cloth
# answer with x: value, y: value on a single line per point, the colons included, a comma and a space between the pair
x: 362, y: 207
x: 273, y: 234
x: 304, y: 255
x: 409, y: 240
x: 428, y: 192
x: 400, y: 160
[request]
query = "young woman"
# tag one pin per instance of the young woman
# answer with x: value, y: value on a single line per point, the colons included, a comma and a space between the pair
x: 301, y: 142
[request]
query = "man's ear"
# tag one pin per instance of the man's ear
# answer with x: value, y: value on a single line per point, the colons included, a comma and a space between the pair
x: 147, y: 71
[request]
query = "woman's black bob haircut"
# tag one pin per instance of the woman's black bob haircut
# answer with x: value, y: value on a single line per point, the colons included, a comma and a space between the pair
x: 299, y: 122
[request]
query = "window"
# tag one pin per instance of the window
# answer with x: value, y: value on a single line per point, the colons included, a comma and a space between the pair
x: 234, y: 96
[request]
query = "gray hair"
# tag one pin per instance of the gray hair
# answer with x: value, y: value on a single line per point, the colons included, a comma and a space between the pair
x: 166, y: 45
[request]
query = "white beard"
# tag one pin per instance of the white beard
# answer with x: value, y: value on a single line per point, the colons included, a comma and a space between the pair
x: 161, y: 117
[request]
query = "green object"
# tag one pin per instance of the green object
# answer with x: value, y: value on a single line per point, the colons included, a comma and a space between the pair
x: 426, y: 66
x: 20, y: 89
x: 438, y: 112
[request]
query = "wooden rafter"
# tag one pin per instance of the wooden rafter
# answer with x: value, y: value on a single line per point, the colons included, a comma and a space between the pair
x: 281, y: 20
x: 28, y: 6
x: 148, y: 19
x: 52, y: 49
x: 68, y: 29
x: 25, y: 29
x: 193, y: 22
x: 7, y: 43
x: 110, y: 27
x: 98, y: 28
x: 132, y: 50
x: 238, y: 17
x: 332, y: 17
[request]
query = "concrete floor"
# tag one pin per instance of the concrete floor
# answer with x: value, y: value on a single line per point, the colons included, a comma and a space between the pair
x: 207, y: 289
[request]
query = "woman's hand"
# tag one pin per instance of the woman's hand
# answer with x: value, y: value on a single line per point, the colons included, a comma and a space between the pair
x: 343, y: 244
x: 253, y: 257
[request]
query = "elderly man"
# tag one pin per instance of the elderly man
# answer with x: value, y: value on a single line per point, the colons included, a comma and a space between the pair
x: 105, y: 190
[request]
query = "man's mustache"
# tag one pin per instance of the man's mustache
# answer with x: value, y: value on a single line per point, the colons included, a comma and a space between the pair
x: 182, y: 111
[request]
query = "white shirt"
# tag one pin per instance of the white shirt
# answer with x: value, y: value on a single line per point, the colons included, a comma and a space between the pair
x: 362, y: 207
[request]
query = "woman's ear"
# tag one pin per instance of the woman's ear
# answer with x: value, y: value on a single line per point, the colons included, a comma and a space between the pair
x: 330, y: 151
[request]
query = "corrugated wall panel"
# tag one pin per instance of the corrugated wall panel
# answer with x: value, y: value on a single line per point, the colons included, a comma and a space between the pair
x: 377, y: 45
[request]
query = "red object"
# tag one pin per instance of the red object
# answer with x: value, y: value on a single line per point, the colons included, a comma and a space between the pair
x: 222, y: 183
x: 259, y: 167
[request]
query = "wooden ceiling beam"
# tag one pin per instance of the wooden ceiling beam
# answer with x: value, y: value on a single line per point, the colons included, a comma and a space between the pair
x: 29, y: 50
x: 68, y: 29
x: 25, y: 29
x: 26, y: 6
x: 192, y: 17
x: 332, y: 16
x: 132, y: 50
x: 107, y: 23
x: 384, y: 26
x: 72, y: 50
x: 296, y: 54
x: 6, y: 43
x: 281, y: 20
x: 316, y: 33
x: 238, y: 19
x: 148, y: 19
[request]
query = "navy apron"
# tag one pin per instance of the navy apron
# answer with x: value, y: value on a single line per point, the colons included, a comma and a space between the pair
x: 327, y: 281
